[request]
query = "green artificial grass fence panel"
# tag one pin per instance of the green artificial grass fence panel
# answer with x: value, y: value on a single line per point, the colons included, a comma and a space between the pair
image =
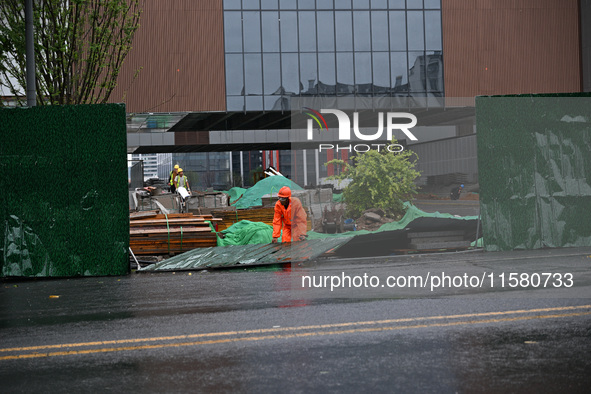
x: 534, y: 170
x: 63, y: 191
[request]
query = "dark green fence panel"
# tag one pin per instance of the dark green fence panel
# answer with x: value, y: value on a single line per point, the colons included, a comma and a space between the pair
x: 63, y: 191
x: 534, y: 163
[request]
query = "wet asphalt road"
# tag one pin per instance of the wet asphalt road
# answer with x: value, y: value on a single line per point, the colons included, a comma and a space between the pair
x: 260, y: 331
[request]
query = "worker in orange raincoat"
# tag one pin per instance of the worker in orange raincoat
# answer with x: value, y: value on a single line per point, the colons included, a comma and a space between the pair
x: 289, y: 214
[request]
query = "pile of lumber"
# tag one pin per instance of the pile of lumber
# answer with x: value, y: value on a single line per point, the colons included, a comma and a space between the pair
x: 230, y: 216
x: 153, y: 234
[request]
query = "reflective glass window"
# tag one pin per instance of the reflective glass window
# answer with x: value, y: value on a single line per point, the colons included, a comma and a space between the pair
x: 433, y: 30
x: 254, y: 103
x: 289, y: 73
x: 379, y: 31
x: 307, y: 22
x: 233, y: 31
x: 234, y: 74
x: 416, y: 72
x: 397, y: 31
x: 361, y: 4
x: 235, y: 103
x: 345, y: 72
x: 399, y: 70
x: 269, y: 4
x: 344, y: 32
x: 232, y: 5
x: 381, y: 71
x: 326, y: 68
x: 363, y: 71
x: 252, y: 31
x: 287, y: 4
x: 416, y: 32
x: 324, y: 4
x: 325, y: 25
x: 379, y: 4
x: 270, y: 20
x: 414, y: 4
x: 308, y: 73
x: 306, y: 4
x: 431, y: 4
x: 251, y: 4
x: 397, y: 4
x: 434, y: 72
x: 253, y: 73
x: 361, y: 31
x: 289, y: 31
x: 273, y: 103
x: 342, y: 4
x: 271, y: 73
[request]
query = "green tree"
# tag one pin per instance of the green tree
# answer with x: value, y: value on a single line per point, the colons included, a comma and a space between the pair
x: 80, y: 46
x: 381, y: 180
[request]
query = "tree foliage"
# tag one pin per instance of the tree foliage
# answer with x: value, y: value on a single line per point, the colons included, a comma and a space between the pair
x: 381, y: 180
x: 80, y: 46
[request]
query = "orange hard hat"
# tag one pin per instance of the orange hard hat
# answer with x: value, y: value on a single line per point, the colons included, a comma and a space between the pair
x: 284, y: 192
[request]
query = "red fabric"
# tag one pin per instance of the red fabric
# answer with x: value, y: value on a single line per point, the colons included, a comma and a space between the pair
x: 293, y: 220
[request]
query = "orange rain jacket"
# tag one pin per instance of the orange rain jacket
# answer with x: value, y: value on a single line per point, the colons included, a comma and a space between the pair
x: 293, y: 219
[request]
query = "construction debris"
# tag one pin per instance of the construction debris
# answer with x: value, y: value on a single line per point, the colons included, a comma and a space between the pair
x: 153, y: 234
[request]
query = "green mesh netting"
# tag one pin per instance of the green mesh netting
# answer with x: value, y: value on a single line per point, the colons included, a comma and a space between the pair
x: 235, y: 193
x: 246, y: 232
x: 270, y: 185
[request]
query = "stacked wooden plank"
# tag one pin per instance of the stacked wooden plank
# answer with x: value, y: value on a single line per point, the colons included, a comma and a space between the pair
x: 152, y: 233
x: 230, y: 216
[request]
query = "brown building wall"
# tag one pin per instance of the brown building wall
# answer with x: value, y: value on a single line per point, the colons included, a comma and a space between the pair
x: 180, y: 50
x: 510, y: 47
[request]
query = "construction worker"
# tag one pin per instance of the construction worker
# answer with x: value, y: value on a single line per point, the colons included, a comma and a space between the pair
x: 181, y: 181
x: 455, y: 192
x: 173, y: 174
x: 289, y: 214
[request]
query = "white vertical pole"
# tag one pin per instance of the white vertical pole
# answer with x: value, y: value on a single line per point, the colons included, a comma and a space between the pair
x: 231, y: 170
x: 317, y: 167
x: 305, y: 168
x: 241, y: 170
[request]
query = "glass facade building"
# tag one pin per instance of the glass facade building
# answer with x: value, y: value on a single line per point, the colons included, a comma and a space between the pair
x: 277, y: 49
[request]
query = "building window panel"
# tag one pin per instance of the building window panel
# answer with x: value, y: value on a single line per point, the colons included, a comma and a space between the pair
x: 287, y: 4
x: 434, y: 69
x: 252, y: 31
x: 363, y: 76
x: 344, y: 32
x: 234, y: 75
x: 232, y: 4
x: 381, y: 72
x: 289, y: 31
x: 271, y: 73
x: 270, y: 22
x: 345, y: 77
x: 325, y: 4
x: 433, y: 30
x: 433, y: 4
x: 254, y: 103
x: 290, y: 73
x: 379, y: 4
x: 233, y: 31
x: 306, y: 4
x: 326, y: 72
x: 251, y: 4
x: 307, y: 30
x: 269, y: 4
x: 416, y: 30
x: 397, y: 31
x: 253, y: 72
x: 416, y: 73
x: 362, y: 31
x: 308, y: 73
x: 361, y: 4
x: 414, y: 4
x: 325, y: 26
x: 397, y: 4
x: 379, y: 31
x: 235, y: 103
x: 399, y: 71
